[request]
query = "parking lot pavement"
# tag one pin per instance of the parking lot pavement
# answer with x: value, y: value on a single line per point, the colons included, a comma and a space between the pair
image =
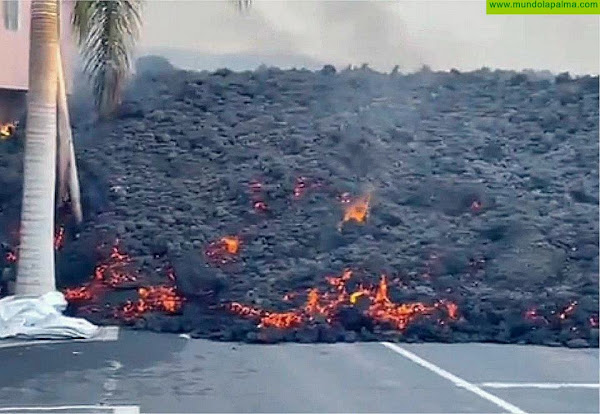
x: 166, y: 373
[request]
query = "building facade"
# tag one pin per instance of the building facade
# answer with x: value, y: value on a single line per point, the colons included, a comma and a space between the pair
x: 14, y: 52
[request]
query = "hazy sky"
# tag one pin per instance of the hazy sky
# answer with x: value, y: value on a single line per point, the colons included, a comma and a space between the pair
x: 441, y: 34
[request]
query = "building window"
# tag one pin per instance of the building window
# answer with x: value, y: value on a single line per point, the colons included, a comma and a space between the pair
x: 11, y: 14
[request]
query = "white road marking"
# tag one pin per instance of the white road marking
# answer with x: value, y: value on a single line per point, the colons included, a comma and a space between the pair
x: 542, y: 385
x: 108, y: 409
x: 105, y: 333
x: 459, y: 382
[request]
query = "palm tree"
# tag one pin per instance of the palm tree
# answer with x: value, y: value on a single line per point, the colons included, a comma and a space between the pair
x: 106, y: 32
x: 35, y: 273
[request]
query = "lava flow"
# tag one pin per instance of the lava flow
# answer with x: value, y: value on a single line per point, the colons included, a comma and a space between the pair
x: 380, y: 309
x: 114, y: 271
x: 110, y: 273
x: 152, y: 298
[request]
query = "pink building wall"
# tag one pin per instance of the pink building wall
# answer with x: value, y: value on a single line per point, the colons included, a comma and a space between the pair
x: 14, y: 47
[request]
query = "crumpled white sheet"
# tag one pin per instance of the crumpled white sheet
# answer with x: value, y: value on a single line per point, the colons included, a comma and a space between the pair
x: 40, y: 317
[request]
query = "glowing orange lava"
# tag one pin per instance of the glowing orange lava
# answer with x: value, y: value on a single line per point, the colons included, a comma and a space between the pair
x: 78, y: 294
x: 115, y: 270
x: 152, y: 298
x: 381, y: 309
x: 223, y: 250
x: 356, y: 210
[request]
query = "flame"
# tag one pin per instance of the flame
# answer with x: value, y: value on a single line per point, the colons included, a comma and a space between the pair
x: 223, y: 250
x: 8, y: 129
x: 381, y: 308
x: 356, y: 210
x: 232, y: 244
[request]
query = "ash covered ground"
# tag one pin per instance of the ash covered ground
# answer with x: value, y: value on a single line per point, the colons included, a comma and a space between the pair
x: 482, y: 193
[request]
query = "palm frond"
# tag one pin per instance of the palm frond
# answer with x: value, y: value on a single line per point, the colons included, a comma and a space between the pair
x: 106, y: 32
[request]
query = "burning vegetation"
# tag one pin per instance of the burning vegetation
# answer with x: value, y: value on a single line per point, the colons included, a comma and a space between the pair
x: 356, y: 210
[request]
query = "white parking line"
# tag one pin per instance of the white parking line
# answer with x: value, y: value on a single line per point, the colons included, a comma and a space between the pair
x: 105, y: 333
x: 459, y: 382
x: 542, y: 385
x: 89, y: 409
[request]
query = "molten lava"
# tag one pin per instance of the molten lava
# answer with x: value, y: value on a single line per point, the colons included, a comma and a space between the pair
x: 116, y: 270
x: 152, y: 298
x: 232, y: 244
x: 381, y: 309
x: 79, y: 294
x: 7, y: 129
x: 356, y: 210
x: 223, y: 250
x: 113, y: 272
x: 568, y: 311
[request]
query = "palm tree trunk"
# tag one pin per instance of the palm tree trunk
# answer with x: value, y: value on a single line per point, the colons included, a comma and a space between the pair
x: 63, y: 138
x: 35, y: 274
x: 67, y: 166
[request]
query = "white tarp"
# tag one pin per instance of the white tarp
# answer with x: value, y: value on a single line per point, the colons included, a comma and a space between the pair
x: 40, y: 317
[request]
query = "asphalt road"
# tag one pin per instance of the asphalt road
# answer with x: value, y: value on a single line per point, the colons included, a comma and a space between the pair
x: 165, y: 373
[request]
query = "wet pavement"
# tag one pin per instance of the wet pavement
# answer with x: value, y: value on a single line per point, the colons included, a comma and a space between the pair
x: 167, y: 373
